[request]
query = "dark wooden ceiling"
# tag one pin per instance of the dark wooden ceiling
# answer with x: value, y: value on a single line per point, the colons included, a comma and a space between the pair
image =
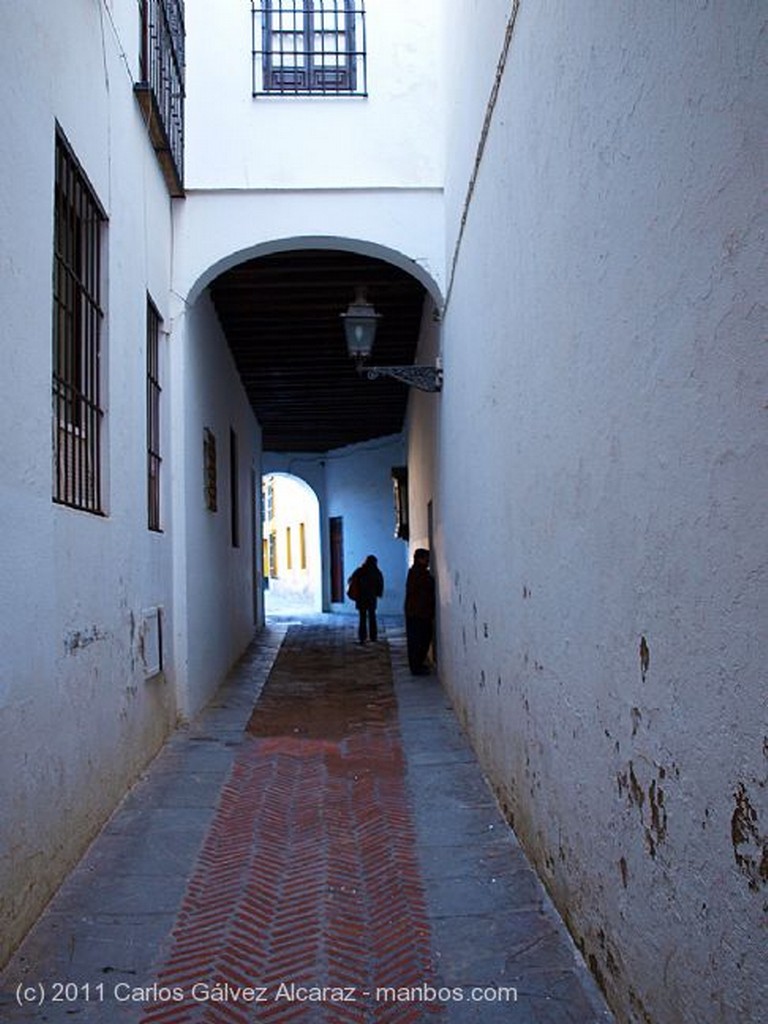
x: 281, y: 315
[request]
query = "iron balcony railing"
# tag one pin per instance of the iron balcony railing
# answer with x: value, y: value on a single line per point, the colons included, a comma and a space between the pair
x: 161, y: 89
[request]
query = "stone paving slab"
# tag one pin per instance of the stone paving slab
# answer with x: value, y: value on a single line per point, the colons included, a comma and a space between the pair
x: 493, y: 926
x: 313, y: 848
x: 490, y: 928
x: 112, y: 917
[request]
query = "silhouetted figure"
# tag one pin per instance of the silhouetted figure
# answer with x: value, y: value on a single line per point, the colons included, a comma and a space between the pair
x: 419, y: 611
x: 366, y: 585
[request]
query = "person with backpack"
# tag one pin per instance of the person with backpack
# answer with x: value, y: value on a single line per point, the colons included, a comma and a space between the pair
x: 366, y: 586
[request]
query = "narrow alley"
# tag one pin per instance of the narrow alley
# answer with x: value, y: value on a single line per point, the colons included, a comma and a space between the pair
x: 485, y: 280
x: 319, y: 844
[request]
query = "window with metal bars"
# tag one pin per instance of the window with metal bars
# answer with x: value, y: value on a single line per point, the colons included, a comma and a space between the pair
x: 234, y: 489
x: 77, y: 321
x: 209, y: 471
x: 154, y: 390
x: 309, y: 48
x: 160, y: 91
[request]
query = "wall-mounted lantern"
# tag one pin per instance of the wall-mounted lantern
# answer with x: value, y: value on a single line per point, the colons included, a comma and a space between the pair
x: 360, y: 323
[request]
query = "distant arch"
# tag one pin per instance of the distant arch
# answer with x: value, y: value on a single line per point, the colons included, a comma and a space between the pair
x: 292, y: 556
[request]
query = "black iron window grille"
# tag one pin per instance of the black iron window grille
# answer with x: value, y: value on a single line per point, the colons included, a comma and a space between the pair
x: 234, y: 489
x: 154, y: 390
x: 209, y: 471
x: 160, y: 91
x: 309, y: 48
x: 77, y: 320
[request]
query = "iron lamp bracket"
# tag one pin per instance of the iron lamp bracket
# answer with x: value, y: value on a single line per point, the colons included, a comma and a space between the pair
x: 425, y: 378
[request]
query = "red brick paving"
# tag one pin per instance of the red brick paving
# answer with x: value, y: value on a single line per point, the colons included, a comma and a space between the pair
x: 308, y: 875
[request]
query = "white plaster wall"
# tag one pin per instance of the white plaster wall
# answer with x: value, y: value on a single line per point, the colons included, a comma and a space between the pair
x: 237, y: 141
x: 359, y: 489
x: 603, y: 570
x: 469, y: 84
x: 78, y: 719
x: 422, y: 432
x: 217, y: 579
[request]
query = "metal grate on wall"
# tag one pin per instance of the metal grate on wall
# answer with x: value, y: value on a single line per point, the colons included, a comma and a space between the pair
x: 310, y: 48
x: 160, y: 91
x: 77, y: 320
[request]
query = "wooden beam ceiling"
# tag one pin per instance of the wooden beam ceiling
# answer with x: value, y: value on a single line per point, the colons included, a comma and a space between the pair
x: 281, y: 315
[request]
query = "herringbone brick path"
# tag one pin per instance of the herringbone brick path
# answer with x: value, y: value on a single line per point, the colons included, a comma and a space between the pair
x: 306, y: 898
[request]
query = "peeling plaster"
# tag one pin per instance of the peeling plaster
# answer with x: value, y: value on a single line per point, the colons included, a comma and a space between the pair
x: 637, y: 717
x: 651, y: 803
x: 79, y: 639
x: 637, y: 1005
x: 645, y: 657
x: 750, y: 845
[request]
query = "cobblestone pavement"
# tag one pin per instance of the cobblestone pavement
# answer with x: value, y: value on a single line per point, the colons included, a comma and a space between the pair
x: 319, y: 846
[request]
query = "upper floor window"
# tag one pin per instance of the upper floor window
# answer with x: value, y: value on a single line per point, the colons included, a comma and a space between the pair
x: 77, y: 323
x: 160, y: 91
x: 309, y: 47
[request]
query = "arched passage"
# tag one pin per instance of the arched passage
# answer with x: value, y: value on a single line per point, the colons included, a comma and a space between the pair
x: 264, y: 382
x: 281, y: 313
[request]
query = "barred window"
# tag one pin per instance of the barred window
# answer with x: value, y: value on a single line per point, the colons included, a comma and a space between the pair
x: 77, y: 321
x: 154, y: 390
x: 209, y: 471
x: 234, y: 489
x: 309, y: 47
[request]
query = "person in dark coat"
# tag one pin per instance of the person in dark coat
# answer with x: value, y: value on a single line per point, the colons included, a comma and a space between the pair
x: 366, y: 586
x: 419, y: 611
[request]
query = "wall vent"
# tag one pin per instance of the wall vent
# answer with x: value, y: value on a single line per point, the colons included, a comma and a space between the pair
x: 151, y: 641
